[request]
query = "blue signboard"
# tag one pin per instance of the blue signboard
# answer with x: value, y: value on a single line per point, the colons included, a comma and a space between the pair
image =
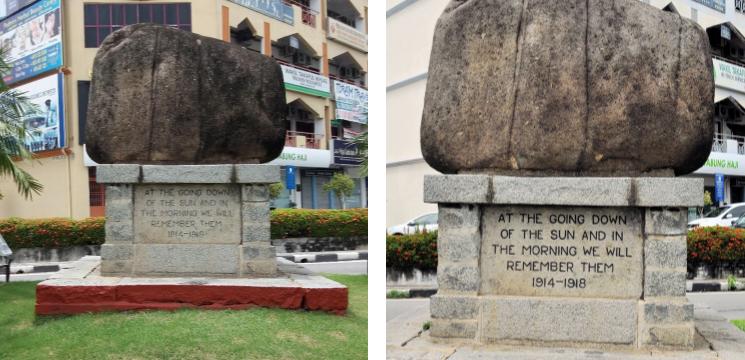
x: 33, y: 38
x: 346, y: 153
x: 718, y: 188
x: 290, y: 177
x: 273, y: 8
x: 718, y: 5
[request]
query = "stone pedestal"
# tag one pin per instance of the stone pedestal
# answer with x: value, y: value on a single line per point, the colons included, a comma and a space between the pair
x: 187, y: 220
x: 566, y: 261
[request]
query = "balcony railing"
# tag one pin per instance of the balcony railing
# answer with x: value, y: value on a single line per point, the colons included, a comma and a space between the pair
x: 304, y: 140
x: 307, y: 14
x: 301, y: 67
x: 721, y: 144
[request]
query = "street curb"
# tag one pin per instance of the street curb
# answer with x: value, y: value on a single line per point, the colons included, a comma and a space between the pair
x: 32, y: 269
x: 415, y: 293
x: 709, y: 286
x: 325, y: 256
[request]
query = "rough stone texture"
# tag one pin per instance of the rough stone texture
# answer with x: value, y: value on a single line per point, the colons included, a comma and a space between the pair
x: 187, y: 174
x: 585, y: 320
x: 578, y: 191
x: 251, y: 173
x: 186, y: 259
x: 255, y: 193
x: 117, y: 252
x: 464, y: 329
x: 165, y: 96
x: 459, y: 233
x: 119, y: 213
x: 259, y: 252
x: 461, y: 277
x: 117, y: 173
x: 116, y: 267
x: 256, y: 232
x: 260, y: 267
x: 666, y: 221
x: 510, y: 81
x: 667, y: 312
x: 454, y: 307
x: 678, y: 336
x: 187, y: 214
x: 664, y: 282
x: 665, y: 251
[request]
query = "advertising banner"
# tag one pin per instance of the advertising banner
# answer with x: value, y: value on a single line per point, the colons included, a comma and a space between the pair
x: 47, y: 123
x: 351, y: 102
x: 346, y: 34
x: 290, y: 178
x: 33, y: 38
x: 729, y: 76
x: 346, y: 153
x: 10, y: 7
x: 305, y: 81
x: 272, y: 8
x: 718, y: 5
x: 718, y: 188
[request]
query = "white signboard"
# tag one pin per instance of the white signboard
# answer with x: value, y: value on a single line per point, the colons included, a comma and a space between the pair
x: 351, y: 102
x: 305, y: 81
x: 46, y: 124
x: 729, y: 76
x: 346, y: 34
x: 723, y: 163
x: 302, y: 157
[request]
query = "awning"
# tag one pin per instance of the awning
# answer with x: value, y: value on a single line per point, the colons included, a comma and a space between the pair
x: 313, y: 103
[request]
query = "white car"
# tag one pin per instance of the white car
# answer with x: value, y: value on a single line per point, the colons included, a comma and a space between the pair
x: 427, y: 222
x: 722, y: 216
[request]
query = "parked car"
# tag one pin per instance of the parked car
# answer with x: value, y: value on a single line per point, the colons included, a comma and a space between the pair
x: 721, y: 216
x: 740, y: 222
x: 427, y: 222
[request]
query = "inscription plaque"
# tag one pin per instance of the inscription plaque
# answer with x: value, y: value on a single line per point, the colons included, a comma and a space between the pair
x: 187, y: 214
x: 555, y: 251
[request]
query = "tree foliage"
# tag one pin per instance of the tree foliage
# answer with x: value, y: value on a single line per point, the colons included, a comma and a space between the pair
x: 342, y: 185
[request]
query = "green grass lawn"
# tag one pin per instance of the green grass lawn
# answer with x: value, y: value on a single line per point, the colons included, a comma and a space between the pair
x: 183, y: 334
x: 740, y: 324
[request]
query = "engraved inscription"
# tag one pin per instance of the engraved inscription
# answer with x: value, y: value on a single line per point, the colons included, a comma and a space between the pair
x: 554, y: 251
x: 187, y: 214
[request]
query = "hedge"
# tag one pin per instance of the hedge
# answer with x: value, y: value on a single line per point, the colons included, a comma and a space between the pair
x: 406, y: 252
x: 285, y: 223
x: 716, y: 245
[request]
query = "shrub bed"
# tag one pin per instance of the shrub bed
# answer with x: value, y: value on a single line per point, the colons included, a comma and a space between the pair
x: 285, y: 223
x: 716, y: 245
x: 416, y: 251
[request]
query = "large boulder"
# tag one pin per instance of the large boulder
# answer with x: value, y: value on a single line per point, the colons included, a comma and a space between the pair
x: 165, y: 96
x: 571, y: 87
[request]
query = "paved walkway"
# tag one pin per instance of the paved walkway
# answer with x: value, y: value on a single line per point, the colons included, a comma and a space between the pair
x: 406, y: 340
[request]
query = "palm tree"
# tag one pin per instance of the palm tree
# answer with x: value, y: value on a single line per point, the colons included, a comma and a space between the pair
x: 13, y: 134
x: 361, y: 142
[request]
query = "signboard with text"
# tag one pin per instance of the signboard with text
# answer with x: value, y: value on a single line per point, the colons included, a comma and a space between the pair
x: 346, y: 34
x: 718, y: 5
x: 33, y: 38
x: 47, y: 123
x: 351, y: 102
x: 303, y: 157
x: 305, y: 81
x: 723, y: 163
x: 718, y: 188
x: 729, y: 76
x: 272, y: 8
x: 10, y: 7
x: 346, y: 152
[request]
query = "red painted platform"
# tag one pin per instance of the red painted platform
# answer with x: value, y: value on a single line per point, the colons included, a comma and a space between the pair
x: 81, y: 290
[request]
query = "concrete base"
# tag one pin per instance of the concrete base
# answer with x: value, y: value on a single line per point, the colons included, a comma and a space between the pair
x: 82, y: 289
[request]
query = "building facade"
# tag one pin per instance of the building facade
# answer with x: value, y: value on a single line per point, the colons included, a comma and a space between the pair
x: 320, y: 44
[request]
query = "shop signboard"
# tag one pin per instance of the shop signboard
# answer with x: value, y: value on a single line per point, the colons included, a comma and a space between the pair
x: 290, y: 177
x: 351, y: 102
x: 346, y: 34
x: 47, y: 122
x: 723, y: 163
x: 718, y: 188
x: 729, y: 76
x: 718, y: 5
x: 10, y: 7
x: 303, y: 157
x: 305, y: 81
x: 276, y: 9
x: 346, y: 152
x: 33, y: 38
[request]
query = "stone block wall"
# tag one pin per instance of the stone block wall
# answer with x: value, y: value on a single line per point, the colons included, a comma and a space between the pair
x: 639, y: 303
x: 190, y: 220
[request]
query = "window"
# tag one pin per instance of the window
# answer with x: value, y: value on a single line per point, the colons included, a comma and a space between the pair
x: 103, y: 19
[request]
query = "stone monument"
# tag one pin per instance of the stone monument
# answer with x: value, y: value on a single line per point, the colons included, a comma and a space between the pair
x: 560, y: 127
x: 182, y: 123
